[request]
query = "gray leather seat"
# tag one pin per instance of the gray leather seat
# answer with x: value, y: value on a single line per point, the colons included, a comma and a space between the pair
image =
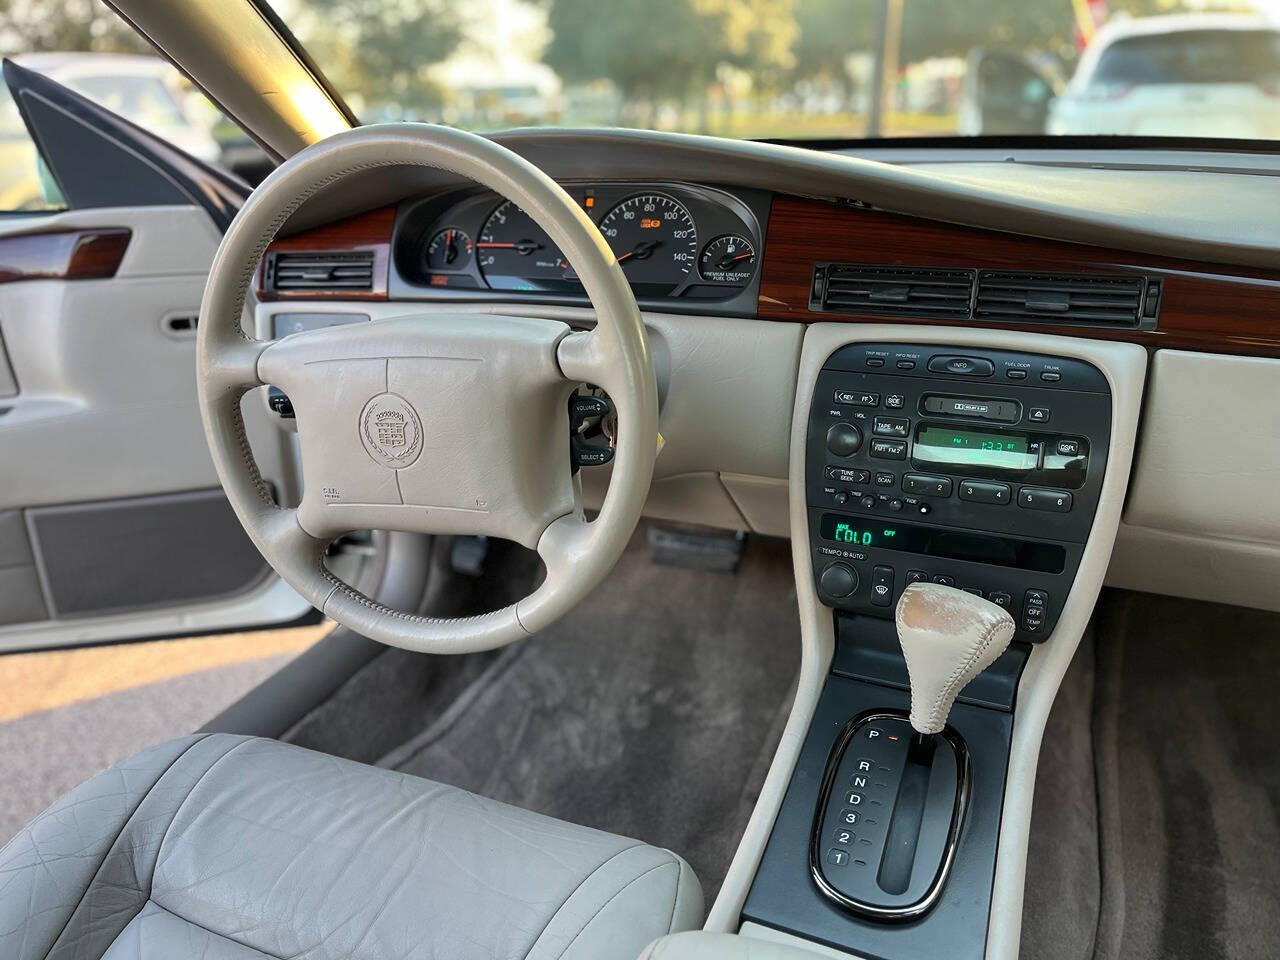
x: 233, y: 848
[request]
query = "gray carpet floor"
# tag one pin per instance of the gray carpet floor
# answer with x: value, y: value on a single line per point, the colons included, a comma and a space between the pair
x: 652, y: 710
x: 1187, y: 722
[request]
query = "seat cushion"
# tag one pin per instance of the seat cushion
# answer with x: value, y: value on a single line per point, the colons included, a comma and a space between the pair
x: 232, y: 848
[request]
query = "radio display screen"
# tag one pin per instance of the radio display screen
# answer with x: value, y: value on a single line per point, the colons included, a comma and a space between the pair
x: 986, y: 449
x: 852, y: 532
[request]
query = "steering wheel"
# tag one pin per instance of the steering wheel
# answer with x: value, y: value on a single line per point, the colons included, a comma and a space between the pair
x: 431, y: 423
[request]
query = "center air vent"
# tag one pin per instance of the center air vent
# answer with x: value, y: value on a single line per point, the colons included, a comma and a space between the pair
x: 338, y: 272
x: 1019, y: 297
x: 892, y: 291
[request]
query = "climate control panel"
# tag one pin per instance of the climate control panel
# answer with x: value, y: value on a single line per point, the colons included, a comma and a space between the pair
x: 977, y: 469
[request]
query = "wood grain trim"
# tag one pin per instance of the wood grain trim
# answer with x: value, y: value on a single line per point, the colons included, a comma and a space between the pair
x: 90, y: 254
x: 367, y: 231
x: 1204, y: 306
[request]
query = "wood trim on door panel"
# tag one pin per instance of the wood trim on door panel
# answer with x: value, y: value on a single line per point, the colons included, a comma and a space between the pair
x: 365, y: 231
x: 90, y: 254
x: 1204, y: 306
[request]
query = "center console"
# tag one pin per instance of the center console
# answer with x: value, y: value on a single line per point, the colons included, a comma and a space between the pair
x: 978, y: 469
x: 969, y: 467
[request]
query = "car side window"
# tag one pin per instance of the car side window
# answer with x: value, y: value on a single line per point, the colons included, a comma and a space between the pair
x: 26, y: 185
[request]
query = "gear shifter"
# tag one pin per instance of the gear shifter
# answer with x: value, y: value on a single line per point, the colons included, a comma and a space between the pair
x: 893, y: 803
x: 948, y: 637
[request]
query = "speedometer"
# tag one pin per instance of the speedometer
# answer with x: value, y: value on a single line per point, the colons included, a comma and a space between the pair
x: 655, y: 240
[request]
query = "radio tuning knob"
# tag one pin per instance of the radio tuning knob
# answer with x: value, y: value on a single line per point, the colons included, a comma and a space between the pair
x: 844, y: 439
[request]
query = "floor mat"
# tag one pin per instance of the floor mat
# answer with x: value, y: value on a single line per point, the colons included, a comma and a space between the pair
x: 1186, y: 728
x: 652, y: 710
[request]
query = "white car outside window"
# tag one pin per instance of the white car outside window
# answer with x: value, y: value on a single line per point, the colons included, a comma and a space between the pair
x: 1196, y: 75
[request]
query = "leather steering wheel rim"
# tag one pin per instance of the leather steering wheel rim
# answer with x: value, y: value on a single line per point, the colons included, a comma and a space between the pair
x: 509, y: 378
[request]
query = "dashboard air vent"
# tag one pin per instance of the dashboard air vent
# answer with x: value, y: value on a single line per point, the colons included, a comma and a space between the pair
x: 338, y: 272
x: 903, y: 291
x: 1019, y: 297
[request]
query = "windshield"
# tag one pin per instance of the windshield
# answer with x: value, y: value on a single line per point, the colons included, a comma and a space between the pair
x: 790, y: 69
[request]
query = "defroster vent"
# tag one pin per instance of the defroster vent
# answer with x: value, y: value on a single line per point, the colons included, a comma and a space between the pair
x: 892, y: 291
x: 337, y: 272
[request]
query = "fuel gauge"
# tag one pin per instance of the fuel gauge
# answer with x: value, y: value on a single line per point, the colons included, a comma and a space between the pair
x: 728, y: 259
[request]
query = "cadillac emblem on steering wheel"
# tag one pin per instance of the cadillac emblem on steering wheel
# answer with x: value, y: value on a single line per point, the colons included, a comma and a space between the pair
x: 391, y: 431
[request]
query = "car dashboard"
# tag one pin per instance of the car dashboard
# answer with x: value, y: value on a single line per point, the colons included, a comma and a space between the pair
x: 730, y: 274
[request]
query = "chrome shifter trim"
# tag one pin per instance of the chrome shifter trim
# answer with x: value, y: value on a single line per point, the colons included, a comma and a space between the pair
x: 934, y: 891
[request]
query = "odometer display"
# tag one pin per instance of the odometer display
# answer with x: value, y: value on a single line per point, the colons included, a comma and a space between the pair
x: 655, y: 240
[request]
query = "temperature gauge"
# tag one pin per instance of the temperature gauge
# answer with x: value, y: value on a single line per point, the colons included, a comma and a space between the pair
x: 449, y: 250
x: 728, y: 259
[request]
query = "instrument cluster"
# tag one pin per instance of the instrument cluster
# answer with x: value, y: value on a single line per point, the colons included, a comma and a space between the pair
x: 671, y: 240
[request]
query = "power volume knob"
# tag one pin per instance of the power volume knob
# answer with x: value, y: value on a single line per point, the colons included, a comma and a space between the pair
x: 838, y: 580
x: 844, y: 439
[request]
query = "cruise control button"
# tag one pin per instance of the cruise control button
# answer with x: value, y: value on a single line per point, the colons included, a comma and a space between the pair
x: 1037, y: 498
x: 889, y: 449
x: 985, y: 491
x: 927, y: 485
x: 962, y: 366
x: 890, y: 426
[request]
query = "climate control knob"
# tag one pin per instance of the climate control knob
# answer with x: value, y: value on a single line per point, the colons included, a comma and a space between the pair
x: 844, y: 439
x: 838, y: 580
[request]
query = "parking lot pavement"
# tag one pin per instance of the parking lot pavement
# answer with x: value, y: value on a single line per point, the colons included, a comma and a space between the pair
x: 66, y: 714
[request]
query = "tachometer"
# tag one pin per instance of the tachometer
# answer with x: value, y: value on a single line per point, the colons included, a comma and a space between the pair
x: 514, y: 253
x: 655, y: 240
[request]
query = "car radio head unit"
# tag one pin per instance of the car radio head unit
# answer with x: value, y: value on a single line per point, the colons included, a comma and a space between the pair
x: 979, y: 470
